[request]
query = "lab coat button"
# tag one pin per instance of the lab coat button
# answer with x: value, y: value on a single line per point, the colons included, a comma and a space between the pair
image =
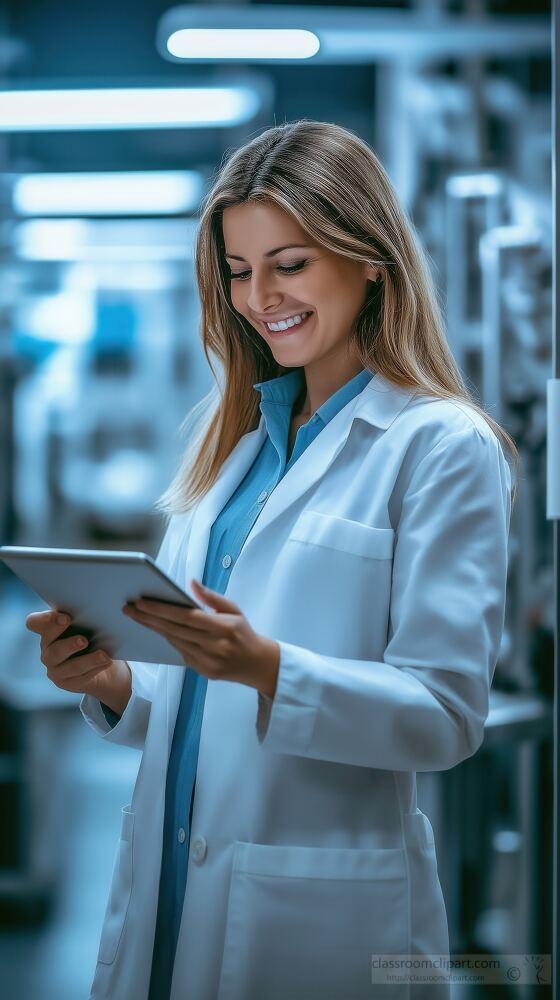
x: 199, y: 850
x: 262, y: 496
x: 226, y: 561
x: 181, y: 835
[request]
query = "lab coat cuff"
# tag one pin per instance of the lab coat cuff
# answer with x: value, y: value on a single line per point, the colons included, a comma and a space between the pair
x: 131, y: 728
x: 285, y: 723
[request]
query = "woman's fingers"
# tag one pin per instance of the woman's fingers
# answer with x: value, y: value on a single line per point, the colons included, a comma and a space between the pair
x: 174, y: 613
x: 47, y: 624
x: 82, y: 668
x: 66, y: 669
x: 59, y: 655
x: 56, y: 652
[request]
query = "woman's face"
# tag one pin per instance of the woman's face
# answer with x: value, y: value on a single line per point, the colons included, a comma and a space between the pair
x: 267, y: 286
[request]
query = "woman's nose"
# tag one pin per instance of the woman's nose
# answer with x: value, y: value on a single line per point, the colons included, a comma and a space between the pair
x: 262, y: 297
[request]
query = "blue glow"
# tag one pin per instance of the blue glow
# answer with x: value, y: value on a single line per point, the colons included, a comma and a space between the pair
x: 124, y: 108
x: 102, y: 242
x: 161, y: 192
x: 243, y: 43
x: 475, y: 185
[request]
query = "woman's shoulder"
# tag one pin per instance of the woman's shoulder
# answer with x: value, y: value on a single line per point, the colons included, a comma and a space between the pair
x: 439, y: 417
x: 453, y: 432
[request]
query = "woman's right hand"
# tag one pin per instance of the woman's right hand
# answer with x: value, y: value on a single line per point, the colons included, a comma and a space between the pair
x: 91, y: 673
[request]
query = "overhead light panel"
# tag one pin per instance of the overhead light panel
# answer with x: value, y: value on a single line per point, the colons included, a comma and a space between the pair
x: 126, y: 108
x: 341, y: 34
x: 156, y: 192
x: 243, y: 43
x: 102, y: 241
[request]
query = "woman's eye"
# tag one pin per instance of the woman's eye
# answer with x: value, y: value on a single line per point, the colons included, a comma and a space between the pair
x: 288, y: 269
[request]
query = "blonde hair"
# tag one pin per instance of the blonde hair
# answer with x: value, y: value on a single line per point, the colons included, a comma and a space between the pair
x: 336, y: 188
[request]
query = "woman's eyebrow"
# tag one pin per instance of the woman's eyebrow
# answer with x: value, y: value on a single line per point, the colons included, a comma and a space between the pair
x: 270, y: 253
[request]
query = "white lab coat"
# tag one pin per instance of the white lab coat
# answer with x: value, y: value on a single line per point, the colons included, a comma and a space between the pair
x: 379, y: 564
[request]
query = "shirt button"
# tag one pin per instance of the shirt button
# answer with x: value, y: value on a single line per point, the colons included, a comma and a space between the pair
x: 262, y: 496
x: 199, y: 850
x: 181, y: 835
x: 226, y: 561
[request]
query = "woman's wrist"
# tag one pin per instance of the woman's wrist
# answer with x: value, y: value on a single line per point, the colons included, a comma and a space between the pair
x: 269, y: 663
x: 116, y: 694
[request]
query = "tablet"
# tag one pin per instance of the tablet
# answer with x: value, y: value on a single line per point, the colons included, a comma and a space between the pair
x: 92, y: 586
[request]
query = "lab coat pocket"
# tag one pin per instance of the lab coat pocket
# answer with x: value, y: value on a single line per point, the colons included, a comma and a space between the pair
x: 341, y: 533
x: 343, y: 570
x: 304, y: 922
x: 119, y: 896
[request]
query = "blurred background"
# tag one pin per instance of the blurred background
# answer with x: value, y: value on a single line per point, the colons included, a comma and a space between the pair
x: 111, y: 125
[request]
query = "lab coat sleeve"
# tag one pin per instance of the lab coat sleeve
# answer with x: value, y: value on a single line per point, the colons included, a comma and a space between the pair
x: 423, y: 707
x: 131, y: 727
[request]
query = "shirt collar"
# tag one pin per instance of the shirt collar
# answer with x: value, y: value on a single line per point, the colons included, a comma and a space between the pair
x: 285, y: 389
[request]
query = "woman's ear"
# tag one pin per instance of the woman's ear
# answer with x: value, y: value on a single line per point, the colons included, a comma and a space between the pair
x: 374, y: 273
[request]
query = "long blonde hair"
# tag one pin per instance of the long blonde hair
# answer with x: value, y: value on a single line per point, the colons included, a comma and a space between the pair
x: 335, y: 187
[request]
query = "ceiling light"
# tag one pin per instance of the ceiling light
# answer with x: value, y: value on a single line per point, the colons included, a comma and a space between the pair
x: 243, y: 43
x: 100, y: 241
x: 126, y: 107
x: 341, y: 34
x: 159, y: 192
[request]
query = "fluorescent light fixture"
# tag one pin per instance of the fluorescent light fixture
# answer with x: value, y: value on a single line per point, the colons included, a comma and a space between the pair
x: 160, y: 192
x: 341, y: 34
x: 126, y: 108
x: 100, y: 241
x: 243, y: 43
x: 58, y: 240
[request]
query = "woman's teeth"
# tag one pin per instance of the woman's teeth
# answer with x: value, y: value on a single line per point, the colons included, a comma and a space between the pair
x: 285, y: 324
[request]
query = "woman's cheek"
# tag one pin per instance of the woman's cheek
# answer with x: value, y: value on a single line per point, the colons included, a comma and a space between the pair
x: 239, y: 304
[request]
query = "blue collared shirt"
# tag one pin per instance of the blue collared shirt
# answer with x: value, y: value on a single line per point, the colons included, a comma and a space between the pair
x: 227, y: 537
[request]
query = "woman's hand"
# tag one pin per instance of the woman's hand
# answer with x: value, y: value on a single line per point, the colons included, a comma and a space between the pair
x: 222, y: 646
x: 93, y: 673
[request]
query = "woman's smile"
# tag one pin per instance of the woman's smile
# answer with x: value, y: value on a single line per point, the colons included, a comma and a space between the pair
x: 301, y: 320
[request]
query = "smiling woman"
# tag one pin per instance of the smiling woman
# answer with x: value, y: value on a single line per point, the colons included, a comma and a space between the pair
x: 347, y: 511
x: 304, y: 218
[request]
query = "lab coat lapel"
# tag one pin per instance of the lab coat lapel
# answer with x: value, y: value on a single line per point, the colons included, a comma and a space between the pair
x: 232, y: 472
x: 379, y: 403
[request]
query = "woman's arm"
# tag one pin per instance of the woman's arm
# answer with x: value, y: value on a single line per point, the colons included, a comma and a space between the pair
x: 422, y: 707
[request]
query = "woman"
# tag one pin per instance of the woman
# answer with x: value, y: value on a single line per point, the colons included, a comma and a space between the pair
x: 354, y: 503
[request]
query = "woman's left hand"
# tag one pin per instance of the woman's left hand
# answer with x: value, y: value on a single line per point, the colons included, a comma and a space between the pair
x: 222, y: 646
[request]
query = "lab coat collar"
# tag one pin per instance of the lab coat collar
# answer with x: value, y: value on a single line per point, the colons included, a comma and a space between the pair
x: 379, y: 403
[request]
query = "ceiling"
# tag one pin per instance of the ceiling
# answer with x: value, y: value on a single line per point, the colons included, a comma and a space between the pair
x: 66, y: 42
